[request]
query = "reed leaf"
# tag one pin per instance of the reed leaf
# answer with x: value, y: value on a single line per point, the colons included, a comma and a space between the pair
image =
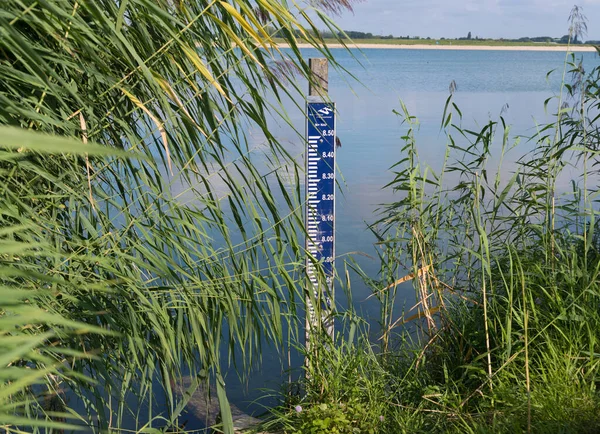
x: 149, y: 234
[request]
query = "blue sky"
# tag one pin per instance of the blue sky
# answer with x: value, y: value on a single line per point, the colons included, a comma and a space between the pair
x: 455, y: 18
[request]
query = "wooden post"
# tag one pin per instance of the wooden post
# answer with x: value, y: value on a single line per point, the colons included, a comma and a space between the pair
x: 319, y: 84
x: 320, y: 195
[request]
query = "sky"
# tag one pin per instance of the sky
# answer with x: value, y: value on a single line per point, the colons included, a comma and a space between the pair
x: 455, y: 18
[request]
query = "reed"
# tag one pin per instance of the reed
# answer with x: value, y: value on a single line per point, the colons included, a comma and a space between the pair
x: 128, y: 265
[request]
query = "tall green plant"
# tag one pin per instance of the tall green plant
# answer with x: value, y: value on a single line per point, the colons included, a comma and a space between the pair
x: 190, y: 247
x: 513, y: 264
x: 36, y: 357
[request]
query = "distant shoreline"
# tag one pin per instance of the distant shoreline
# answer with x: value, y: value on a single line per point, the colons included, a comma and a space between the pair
x: 562, y: 48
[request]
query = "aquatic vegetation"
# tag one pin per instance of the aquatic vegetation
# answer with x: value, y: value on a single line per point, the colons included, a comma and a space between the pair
x: 129, y: 265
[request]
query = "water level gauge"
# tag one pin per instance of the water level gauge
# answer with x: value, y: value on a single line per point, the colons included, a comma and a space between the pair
x: 320, y: 205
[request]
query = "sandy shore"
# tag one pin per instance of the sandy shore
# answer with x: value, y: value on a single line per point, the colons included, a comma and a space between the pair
x: 455, y: 47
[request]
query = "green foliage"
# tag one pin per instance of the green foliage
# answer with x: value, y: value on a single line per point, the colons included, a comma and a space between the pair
x: 127, y: 272
x: 508, y: 296
x: 36, y: 357
x: 340, y: 418
x: 344, y: 392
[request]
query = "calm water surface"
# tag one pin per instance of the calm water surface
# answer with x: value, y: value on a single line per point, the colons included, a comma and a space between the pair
x: 514, y: 83
x: 488, y: 83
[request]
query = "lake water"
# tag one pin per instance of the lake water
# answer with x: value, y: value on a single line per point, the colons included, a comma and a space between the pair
x: 514, y: 83
x: 488, y: 83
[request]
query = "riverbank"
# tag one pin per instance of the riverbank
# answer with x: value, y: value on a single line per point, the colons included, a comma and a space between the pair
x: 576, y: 48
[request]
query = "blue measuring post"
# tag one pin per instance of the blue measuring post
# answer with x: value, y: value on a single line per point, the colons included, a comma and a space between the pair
x: 320, y: 210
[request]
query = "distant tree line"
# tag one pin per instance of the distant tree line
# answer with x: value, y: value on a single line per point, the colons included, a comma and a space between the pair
x: 562, y: 40
x: 356, y: 35
x: 352, y: 34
